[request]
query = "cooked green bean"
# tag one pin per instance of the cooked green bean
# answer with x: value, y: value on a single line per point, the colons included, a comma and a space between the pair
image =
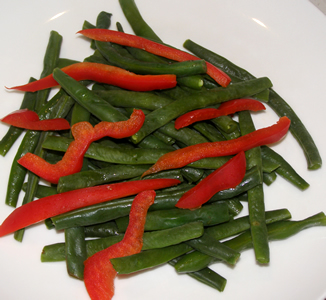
x: 75, y: 250
x: 100, y: 176
x: 256, y: 203
x: 14, y: 132
x: 164, y: 115
x: 111, y: 210
x: 148, y: 259
x: 285, y: 169
x: 276, y: 102
x: 206, y: 276
x: 276, y: 231
x: 151, y: 240
x: 162, y: 219
x: 212, y: 247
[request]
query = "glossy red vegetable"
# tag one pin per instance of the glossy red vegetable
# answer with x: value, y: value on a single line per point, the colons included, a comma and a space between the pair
x: 47, y: 207
x: 105, y: 74
x: 99, y: 273
x: 226, y: 108
x: 84, y: 134
x: 107, y: 35
x: 226, y: 177
x: 28, y: 119
x: 184, y: 156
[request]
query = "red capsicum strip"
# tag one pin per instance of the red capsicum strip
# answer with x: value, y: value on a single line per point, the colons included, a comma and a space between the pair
x: 107, y: 35
x: 104, y: 74
x: 47, y: 207
x: 28, y: 119
x: 184, y: 156
x: 99, y: 273
x: 84, y: 134
x: 226, y: 177
x: 226, y: 108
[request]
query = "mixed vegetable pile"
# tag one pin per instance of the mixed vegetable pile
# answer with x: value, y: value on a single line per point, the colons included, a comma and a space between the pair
x: 149, y: 153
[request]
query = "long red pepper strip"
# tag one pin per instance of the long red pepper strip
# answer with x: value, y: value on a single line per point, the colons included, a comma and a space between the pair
x: 47, y: 207
x: 84, y: 134
x: 99, y: 273
x: 226, y: 108
x: 184, y: 156
x: 107, y: 35
x: 105, y: 74
x: 226, y: 177
x: 28, y: 119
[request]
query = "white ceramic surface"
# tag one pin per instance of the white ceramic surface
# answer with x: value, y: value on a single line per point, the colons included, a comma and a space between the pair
x: 282, y: 39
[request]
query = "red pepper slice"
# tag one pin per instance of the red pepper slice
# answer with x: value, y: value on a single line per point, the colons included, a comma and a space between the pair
x: 107, y: 35
x: 184, y: 156
x: 28, y: 119
x: 47, y: 207
x: 226, y: 108
x: 99, y: 273
x: 84, y: 134
x: 105, y: 74
x: 226, y: 177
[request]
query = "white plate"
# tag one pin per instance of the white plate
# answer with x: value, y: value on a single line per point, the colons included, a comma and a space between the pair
x: 284, y: 40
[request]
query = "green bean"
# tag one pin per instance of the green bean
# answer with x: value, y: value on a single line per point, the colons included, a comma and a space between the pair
x: 17, y: 172
x: 208, y: 245
x: 276, y: 102
x: 209, y: 131
x: 148, y: 259
x: 269, y: 178
x: 164, y: 115
x: 55, y: 108
x: 42, y: 190
x: 276, y: 231
x: 206, y: 276
x: 236, y: 226
x: 184, y: 68
x: 192, y: 174
x: 256, y: 204
x: 100, y: 176
x: 111, y: 210
x: 136, y: 21
x: 14, y: 132
x: 185, y: 135
x: 194, y: 82
x: 234, y: 206
x: 225, y: 124
x: 142, y: 100
x: 151, y: 240
x: 75, y: 250
x: 87, y: 98
x: 161, y: 219
x: 101, y: 230
x: 50, y: 61
x: 285, y: 169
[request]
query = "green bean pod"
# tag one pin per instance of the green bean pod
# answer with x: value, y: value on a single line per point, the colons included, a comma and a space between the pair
x: 162, y: 219
x: 75, y: 250
x: 148, y: 259
x: 276, y: 102
x: 285, y: 169
x: 164, y: 115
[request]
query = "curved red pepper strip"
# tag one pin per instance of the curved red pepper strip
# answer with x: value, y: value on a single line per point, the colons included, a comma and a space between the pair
x: 107, y: 35
x: 228, y: 176
x: 226, y: 108
x: 99, y: 273
x: 105, y: 74
x: 184, y: 156
x: 48, y: 207
x: 28, y: 119
x: 84, y: 134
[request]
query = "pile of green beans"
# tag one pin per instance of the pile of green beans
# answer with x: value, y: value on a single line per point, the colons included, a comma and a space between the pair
x: 188, y: 240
